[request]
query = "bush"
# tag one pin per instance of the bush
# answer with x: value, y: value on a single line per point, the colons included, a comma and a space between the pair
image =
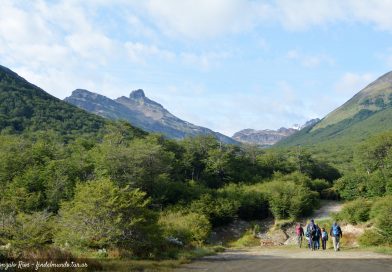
x: 351, y: 186
x: 378, y: 208
x: 28, y: 231
x: 219, y: 210
x: 290, y: 200
x: 329, y: 193
x: 382, y: 218
x: 371, y: 238
x: 102, y: 215
x: 319, y: 185
x: 187, y: 227
x: 253, y: 204
x: 355, y: 212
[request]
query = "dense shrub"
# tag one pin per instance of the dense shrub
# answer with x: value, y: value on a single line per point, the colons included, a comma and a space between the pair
x: 371, y: 238
x: 290, y: 200
x: 102, y: 215
x: 319, y: 185
x: 381, y: 215
x: 376, y: 184
x: 355, y: 212
x: 351, y: 186
x: 27, y: 231
x: 187, y: 227
x: 329, y: 193
x: 218, y: 210
x: 253, y: 204
x: 378, y: 207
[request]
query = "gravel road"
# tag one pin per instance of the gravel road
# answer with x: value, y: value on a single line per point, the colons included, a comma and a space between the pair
x: 291, y: 260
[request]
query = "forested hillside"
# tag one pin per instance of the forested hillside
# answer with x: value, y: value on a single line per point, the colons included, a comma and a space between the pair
x: 24, y: 106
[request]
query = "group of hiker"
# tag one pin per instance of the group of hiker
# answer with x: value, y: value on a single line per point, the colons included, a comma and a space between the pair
x: 314, y: 234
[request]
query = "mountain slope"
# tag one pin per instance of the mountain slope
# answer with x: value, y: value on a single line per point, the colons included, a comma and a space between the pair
x: 141, y: 112
x: 374, y: 97
x: 368, y: 113
x: 24, y: 106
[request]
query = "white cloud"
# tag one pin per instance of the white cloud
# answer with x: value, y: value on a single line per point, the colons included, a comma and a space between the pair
x: 204, y: 61
x: 200, y: 19
x: 204, y: 18
x: 310, y: 61
x: 377, y: 12
x: 352, y: 83
x: 301, y: 14
x: 139, y: 52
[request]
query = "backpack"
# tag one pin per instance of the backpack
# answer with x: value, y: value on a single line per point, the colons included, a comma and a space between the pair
x: 317, y: 232
x: 336, y: 230
x: 311, y: 230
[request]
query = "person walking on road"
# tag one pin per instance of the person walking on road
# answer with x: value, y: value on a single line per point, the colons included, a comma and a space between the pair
x: 300, y: 234
x: 336, y: 234
x: 324, y: 238
x: 317, y: 236
x: 310, y: 232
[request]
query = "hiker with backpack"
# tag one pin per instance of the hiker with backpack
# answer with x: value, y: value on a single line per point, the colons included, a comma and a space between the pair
x: 336, y: 234
x: 317, y: 236
x: 300, y: 234
x: 324, y: 238
x: 310, y: 232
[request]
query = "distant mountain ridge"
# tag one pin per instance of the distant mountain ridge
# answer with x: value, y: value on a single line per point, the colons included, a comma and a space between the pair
x: 367, y: 113
x: 268, y: 137
x: 141, y: 112
x: 263, y: 138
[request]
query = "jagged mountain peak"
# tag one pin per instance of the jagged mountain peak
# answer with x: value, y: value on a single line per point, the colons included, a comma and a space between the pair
x: 138, y: 97
x: 83, y: 92
x: 141, y: 112
x: 137, y: 94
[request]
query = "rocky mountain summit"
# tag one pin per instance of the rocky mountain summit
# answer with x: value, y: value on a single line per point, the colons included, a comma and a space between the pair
x: 268, y: 137
x: 141, y: 112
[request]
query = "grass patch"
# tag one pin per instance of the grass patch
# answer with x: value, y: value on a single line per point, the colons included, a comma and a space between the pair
x: 247, y: 240
x: 282, y: 223
x: 383, y: 249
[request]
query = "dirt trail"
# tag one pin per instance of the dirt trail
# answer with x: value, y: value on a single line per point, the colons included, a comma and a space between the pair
x: 326, y: 208
x: 292, y: 259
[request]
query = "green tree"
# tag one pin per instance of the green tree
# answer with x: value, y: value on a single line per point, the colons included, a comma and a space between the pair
x: 139, y: 163
x: 103, y: 215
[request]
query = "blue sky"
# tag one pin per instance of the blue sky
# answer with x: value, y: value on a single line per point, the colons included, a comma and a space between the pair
x: 224, y: 64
